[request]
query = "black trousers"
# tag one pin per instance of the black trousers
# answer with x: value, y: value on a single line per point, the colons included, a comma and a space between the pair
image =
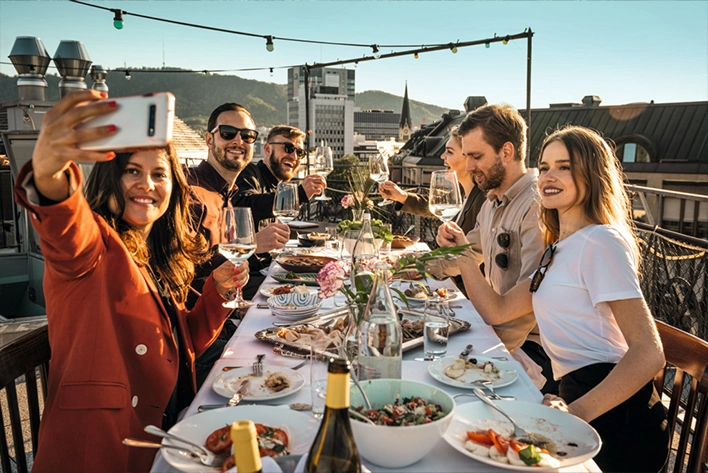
x: 538, y: 355
x: 634, y: 435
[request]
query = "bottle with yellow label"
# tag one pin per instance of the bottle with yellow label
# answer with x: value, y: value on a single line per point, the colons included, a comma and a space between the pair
x: 246, y: 455
x: 334, y: 448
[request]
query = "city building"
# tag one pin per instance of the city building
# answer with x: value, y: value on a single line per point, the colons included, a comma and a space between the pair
x: 377, y: 125
x: 331, y: 107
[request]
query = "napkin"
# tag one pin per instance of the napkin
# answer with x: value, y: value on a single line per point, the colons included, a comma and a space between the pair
x: 269, y: 466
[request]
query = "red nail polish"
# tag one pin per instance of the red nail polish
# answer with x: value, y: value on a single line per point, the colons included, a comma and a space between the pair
x: 112, y: 128
x: 110, y: 155
x: 104, y: 95
x: 112, y: 104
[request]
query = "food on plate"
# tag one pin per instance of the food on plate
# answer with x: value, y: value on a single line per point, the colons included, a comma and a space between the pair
x: 277, y: 381
x: 318, y: 236
x: 401, y: 238
x: 306, y: 334
x: 272, y: 442
x: 416, y: 291
x: 504, y: 449
x: 487, y: 369
x: 300, y: 289
x: 412, y: 411
x: 442, y: 292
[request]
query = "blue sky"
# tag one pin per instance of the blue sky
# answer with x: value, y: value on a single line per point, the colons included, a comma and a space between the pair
x: 621, y: 51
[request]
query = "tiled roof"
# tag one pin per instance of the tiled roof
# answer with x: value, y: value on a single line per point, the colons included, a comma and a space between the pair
x: 189, y: 144
x: 677, y: 132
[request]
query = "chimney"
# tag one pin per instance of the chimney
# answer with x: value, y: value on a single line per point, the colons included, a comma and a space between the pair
x: 592, y: 101
x: 73, y: 63
x: 98, y: 76
x: 31, y: 60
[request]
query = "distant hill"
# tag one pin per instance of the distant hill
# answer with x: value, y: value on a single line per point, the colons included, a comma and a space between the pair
x: 197, y: 95
x: 377, y: 99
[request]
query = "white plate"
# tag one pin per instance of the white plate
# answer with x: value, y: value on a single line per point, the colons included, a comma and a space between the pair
x: 267, y: 291
x: 451, y: 296
x: 560, y: 427
x: 226, y: 383
x: 296, y: 316
x: 507, y: 373
x: 300, y: 427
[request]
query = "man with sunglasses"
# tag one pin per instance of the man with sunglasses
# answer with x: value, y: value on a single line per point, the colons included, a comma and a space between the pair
x: 231, y: 133
x: 257, y: 183
x: 507, y: 238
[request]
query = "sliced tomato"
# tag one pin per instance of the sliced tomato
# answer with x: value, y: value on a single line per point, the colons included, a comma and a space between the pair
x: 480, y: 438
x: 516, y: 445
x: 428, y: 411
x: 386, y: 420
x: 219, y: 440
x: 372, y: 414
x: 229, y: 463
x: 501, y: 442
x: 281, y: 436
x: 398, y: 411
x: 261, y: 429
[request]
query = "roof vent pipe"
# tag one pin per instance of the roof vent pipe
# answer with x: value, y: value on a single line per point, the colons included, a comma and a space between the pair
x: 31, y: 60
x: 73, y: 63
x: 98, y: 76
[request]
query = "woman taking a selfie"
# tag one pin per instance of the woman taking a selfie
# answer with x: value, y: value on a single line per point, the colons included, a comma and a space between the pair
x: 118, y: 263
x: 593, y: 320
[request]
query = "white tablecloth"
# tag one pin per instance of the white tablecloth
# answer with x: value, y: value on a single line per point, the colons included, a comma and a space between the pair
x: 243, y: 348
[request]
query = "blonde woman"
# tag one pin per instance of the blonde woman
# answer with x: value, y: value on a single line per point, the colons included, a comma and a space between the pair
x: 593, y: 320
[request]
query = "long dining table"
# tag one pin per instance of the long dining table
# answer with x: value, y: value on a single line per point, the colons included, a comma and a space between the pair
x: 243, y: 347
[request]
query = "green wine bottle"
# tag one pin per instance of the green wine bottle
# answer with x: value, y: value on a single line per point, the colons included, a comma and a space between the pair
x: 334, y: 448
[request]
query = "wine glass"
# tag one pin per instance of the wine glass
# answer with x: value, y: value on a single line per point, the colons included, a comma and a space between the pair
x: 238, y: 243
x: 286, y: 205
x: 324, y: 164
x: 445, y: 200
x: 378, y: 171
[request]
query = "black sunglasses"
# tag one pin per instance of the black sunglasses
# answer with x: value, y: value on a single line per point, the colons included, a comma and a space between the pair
x: 502, y: 259
x: 290, y: 148
x: 542, y: 267
x: 229, y: 132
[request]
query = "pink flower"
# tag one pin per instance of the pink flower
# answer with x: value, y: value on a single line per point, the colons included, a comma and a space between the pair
x: 331, y: 278
x: 370, y: 204
x: 347, y: 201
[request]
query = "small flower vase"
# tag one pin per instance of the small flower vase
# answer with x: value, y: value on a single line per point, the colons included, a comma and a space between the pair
x: 349, y: 349
x: 358, y: 214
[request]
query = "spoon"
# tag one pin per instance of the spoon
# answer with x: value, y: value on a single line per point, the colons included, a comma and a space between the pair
x: 409, y: 229
x: 197, y: 449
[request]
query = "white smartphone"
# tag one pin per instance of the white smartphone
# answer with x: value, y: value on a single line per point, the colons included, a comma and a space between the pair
x: 143, y: 121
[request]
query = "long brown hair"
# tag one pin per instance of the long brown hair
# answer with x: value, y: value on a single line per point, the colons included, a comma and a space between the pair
x: 595, y: 168
x: 171, y: 249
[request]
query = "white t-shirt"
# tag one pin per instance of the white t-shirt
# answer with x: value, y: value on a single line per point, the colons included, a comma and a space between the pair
x: 589, y: 268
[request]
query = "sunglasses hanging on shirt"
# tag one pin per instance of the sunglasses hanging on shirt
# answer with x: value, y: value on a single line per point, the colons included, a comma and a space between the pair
x: 504, y: 241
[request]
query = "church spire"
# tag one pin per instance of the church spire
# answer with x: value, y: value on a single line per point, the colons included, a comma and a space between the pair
x: 404, y: 127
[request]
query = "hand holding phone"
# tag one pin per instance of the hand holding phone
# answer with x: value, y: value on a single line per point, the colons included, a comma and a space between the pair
x: 143, y: 121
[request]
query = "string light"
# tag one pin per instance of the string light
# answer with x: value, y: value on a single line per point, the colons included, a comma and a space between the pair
x: 453, y: 48
x: 415, y: 56
x: 117, y: 19
x: 127, y: 75
x: 486, y: 45
x: 376, y: 51
x: 271, y: 72
x: 506, y: 40
x: 269, y: 44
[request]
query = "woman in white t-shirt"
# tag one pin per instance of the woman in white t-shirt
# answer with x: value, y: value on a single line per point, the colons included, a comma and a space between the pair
x: 593, y: 320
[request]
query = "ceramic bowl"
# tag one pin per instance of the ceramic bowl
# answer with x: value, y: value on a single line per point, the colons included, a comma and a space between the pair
x: 398, y: 446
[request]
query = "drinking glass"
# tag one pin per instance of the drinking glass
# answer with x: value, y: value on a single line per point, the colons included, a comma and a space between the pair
x: 238, y: 243
x: 286, y: 205
x: 445, y: 200
x: 378, y: 171
x: 332, y: 245
x: 436, y: 325
x: 318, y: 378
x: 324, y: 164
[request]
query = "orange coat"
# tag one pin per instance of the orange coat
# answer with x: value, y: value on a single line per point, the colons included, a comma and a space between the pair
x: 114, y: 358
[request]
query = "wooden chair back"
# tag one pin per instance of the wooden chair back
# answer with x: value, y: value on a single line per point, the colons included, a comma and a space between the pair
x: 22, y: 357
x: 687, y: 359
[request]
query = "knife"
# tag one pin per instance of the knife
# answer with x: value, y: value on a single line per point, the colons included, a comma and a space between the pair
x: 235, y: 399
x: 466, y: 352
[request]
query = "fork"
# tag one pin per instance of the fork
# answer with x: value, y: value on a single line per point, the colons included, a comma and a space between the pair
x: 208, y: 459
x: 258, y: 366
x: 204, y: 454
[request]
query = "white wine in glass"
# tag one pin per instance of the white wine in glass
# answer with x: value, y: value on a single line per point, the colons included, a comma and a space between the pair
x: 378, y: 171
x: 324, y: 164
x: 445, y: 200
x: 286, y: 205
x: 238, y: 243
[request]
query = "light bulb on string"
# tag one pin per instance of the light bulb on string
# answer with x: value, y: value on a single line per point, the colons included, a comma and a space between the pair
x: 376, y: 51
x: 127, y: 75
x: 271, y: 72
x: 453, y: 49
x: 117, y: 19
x: 506, y: 40
x: 486, y: 45
x: 269, y: 44
x: 415, y: 56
